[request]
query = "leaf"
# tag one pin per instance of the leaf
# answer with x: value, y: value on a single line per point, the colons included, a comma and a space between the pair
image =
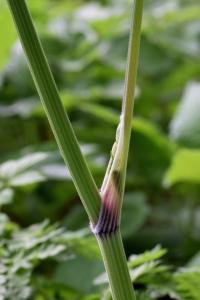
x: 187, y: 281
x: 147, y: 263
x: 11, y: 168
x: 23, y: 250
x: 6, y: 196
x: 6, y: 230
x: 148, y: 256
x: 147, y: 269
x: 185, y: 126
x: 176, y: 28
x: 33, y: 167
x: 8, y: 34
x: 82, y: 243
x: 27, y: 178
x: 185, y: 167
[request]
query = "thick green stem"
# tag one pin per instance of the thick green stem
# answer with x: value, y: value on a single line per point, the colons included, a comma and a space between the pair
x: 116, y: 266
x: 54, y: 109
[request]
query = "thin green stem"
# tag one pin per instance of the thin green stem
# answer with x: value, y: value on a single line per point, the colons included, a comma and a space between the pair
x: 54, y: 109
x: 116, y: 266
x: 131, y: 74
x: 111, y: 244
x: 119, y: 155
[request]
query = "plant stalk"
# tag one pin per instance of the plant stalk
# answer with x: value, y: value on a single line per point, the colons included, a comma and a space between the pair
x: 111, y: 244
x: 54, y: 109
x: 116, y: 266
x: 119, y: 155
x: 131, y: 73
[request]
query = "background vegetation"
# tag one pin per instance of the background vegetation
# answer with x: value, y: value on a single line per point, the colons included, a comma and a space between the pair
x: 46, y: 250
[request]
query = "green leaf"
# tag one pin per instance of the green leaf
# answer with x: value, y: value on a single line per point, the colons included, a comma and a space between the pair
x: 8, y: 34
x: 147, y: 263
x: 147, y: 256
x: 23, y: 250
x: 187, y: 282
x: 185, y: 167
x: 6, y: 196
x: 82, y: 243
x: 34, y: 167
x: 185, y: 126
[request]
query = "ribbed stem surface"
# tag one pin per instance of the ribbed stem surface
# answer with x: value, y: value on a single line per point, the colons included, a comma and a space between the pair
x: 54, y: 109
x: 116, y: 266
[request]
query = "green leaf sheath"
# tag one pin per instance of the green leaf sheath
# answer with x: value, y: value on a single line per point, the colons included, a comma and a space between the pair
x: 116, y: 266
x: 111, y: 244
x: 54, y: 109
x: 119, y: 155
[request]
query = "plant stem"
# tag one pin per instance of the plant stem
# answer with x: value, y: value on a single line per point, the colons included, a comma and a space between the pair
x: 111, y: 243
x: 131, y: 73
x: 54, y: 109
x: 116, y: 266
x: 119, y: 156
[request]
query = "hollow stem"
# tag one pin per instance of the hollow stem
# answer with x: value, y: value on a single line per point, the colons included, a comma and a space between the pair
x: 116, y: 266
x: 120, y: 150
x: 112, y: 189
x: 54, y: 109
x: 131, y: 74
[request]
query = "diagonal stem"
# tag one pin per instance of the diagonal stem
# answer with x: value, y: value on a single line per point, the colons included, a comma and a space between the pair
x: 54, y: 109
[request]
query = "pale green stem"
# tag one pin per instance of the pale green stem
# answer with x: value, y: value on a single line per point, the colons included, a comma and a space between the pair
x: 131, y: 74
x: 116, y: 266
x: 54, y: 109
x: 111, y: 245
x: 120, y: 152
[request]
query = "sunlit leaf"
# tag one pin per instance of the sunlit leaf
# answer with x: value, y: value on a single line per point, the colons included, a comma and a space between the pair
x: 185, y: 167
x: 187, y: 282
x: 185, y: 127
x: 8, y: 34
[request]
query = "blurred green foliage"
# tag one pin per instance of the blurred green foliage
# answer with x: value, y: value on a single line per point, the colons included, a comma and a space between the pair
x: 86, y: 45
